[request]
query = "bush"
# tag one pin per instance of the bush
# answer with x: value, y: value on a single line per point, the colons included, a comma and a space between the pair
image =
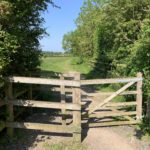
x: 145, y: 126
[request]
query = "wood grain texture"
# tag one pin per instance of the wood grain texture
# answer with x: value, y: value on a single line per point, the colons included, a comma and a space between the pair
x: 77, y: 114
x: 40, y: 126
x: 112, y: 123
x: 30, y: 80
x: 139, y: 97
x: 109, y: 81
x: 45, y: 104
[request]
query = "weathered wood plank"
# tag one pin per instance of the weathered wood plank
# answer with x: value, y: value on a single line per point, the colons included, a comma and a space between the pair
x: 42, y: 127
x: 109, y: 93
x: 111, y: 97
x: 30, y: 80
x: 77, y: 114
x: 112, y: 123
x: 111, y: 105
x: 44, y: 104
x: 123, y: 104
x: 109, y: 114
x: 139, y: 97
x: 109, y: 81
x: 62, y: 92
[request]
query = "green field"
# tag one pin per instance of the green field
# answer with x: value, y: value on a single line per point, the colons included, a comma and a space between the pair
x: 64, y: 64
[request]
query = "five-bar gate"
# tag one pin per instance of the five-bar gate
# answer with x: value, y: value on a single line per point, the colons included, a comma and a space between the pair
x: 96, y: 109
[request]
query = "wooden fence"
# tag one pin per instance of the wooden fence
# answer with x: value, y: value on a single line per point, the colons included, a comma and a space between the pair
x: 71, y: 86
x: 114, y: 113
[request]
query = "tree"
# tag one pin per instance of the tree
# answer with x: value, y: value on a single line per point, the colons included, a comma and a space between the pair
x: 20, y: 31
x: 114, y: 36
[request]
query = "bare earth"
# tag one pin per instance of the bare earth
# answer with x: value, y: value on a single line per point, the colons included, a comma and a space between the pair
x: 111, y: 139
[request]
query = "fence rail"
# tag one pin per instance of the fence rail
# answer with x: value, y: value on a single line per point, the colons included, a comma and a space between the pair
x: 45, y: 104
x: 30, y: 80
x: 109, y: 81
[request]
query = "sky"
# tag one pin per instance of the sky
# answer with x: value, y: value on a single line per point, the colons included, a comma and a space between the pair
x: 58, y: 22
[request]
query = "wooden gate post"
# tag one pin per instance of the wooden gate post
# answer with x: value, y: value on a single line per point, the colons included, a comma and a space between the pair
x: 77, y: 114
x: 62, y: 92
x: 10, y: 112
x: 139, y: 97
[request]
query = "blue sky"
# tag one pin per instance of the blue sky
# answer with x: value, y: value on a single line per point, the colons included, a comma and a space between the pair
x: 58, y: 22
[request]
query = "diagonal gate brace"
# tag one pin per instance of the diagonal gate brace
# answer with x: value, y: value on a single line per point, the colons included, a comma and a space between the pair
x: 111, y: 97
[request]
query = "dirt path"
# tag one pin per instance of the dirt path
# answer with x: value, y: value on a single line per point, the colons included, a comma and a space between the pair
x: 108, y: 139
x: 105, y: 138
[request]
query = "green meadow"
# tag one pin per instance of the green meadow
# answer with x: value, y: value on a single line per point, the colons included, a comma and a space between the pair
x: 64, y: 64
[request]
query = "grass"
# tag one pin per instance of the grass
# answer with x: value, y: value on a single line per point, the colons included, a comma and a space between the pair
x: 64, y: 64
x: 63, y: 146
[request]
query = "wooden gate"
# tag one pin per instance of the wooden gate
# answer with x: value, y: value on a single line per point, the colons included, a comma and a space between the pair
x: 104, y: 112
x: 73, y: 107
x: 96, y: 109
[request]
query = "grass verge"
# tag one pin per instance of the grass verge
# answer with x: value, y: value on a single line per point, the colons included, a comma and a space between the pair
x: 63, y: 146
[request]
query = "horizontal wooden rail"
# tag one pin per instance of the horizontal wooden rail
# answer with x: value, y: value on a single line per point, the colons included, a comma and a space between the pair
x: 108, y: 114
x: 30, y: 80
x: 109, y: 81
x: 42, y: 127
x: 90, y: 95
x: 44, y: 104
x: 112, y: 123
x: 110, y: 105
x: 119, y: 104
x: 2, y: 125
x: 109, y: 93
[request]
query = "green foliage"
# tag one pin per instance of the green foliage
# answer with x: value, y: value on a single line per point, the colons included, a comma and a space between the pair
x: 20, y: 31
x: 8, y: 47
x: 77, y: 61
x: 145, y: 126
x: 114, y: 36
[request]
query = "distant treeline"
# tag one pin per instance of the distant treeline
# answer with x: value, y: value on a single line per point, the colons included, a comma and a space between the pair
x: 54, y: 54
